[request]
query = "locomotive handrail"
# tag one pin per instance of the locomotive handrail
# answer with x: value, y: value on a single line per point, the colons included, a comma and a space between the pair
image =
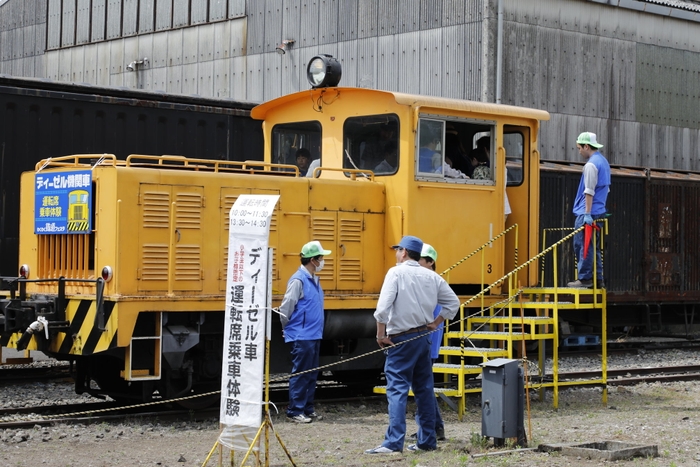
x: 74, y: 161
x: 368, y: 174
x: 182, y: 162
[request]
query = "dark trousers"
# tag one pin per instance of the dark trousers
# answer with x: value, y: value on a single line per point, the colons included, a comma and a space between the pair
x: 303, y: 387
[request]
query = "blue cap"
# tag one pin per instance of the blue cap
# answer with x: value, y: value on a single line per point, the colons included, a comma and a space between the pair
x: 409, y: 242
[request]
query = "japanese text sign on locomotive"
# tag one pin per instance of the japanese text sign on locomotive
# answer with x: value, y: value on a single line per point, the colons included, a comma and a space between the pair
x: 63, y: 202
x: 247, y: 315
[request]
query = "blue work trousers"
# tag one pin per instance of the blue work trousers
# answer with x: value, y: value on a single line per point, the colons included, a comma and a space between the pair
x: 409, y: 365
x: 303, y: 387
x: 585, y: 266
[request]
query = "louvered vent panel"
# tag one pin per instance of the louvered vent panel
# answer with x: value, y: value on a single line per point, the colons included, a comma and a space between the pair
x: 273, y: 221
x: 64, y: 255
x: 350, y: 230
x: 188, y: 212
x: 324, y: 229
x: 156, y: 209
x: 155, y: 262
x: 228, y: 201
x: 188, y: 263
x: 350, y: 270
x: 327, y: 273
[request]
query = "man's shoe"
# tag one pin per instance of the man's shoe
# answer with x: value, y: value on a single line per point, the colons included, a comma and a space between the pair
x: 440, y: 434
x: 413, y: 436
x: 380, y: 450
x: 581, y: 284
x: 415, y: 448
x: 314, y: 416
x: 300, y: 418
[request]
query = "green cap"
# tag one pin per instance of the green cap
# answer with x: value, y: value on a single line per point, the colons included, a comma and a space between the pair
x: 588, y: 138
x: 428, y: 252
x: 313, y: 249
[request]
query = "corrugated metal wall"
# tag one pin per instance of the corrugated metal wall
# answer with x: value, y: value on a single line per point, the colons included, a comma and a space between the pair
x: 627, y: 75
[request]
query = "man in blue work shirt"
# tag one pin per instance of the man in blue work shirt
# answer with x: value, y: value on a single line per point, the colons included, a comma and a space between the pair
x: 588, y: 205
x: 404, y: 313
x: 301, y: 314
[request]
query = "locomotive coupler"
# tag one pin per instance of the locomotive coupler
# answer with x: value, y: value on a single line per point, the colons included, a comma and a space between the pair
x: 41, y: 324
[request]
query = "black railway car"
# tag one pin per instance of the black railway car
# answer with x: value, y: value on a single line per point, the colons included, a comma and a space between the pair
x: 41, y: 119
x: 652, y: 252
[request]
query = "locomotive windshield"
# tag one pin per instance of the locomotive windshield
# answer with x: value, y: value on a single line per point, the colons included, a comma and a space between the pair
x: 372, y: 143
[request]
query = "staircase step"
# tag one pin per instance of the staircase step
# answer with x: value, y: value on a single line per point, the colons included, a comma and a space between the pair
x: 454, y: 369
x: 531, y: 320
x: 497, y: 335
x: 469, y: 351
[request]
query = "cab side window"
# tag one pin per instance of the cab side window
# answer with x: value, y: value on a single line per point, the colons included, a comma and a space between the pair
x: 372, y: 143
x: 297, y: 144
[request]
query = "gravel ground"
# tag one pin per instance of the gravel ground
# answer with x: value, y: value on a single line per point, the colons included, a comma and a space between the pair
x: 665, y: 415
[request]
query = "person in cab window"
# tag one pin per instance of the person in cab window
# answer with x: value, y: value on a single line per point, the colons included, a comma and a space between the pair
x: 314, y: 164
x: 388, y: 165
x: 427, y: 153
x: 375, y: 151
x: 303, y: 159
x: 449, y: 171
x: 480, y: 159
x: 454, y: 150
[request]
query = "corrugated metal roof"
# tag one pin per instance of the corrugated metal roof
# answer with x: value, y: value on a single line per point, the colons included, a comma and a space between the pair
x: 691, y: 5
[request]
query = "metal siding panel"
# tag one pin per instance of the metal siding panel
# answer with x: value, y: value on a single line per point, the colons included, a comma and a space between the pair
x: 175, y: 47
x: 145, y: 50
x: 17, y: 43
x: 160, y: 57
x: 114, y: 19
x: 181, y: 13
x: 239, y: 28
x: 160, y: 79
x: 347, y: 20
x: 198, y: 13
x: 29, y: 13
x: 39, y: 40
x: 222, y: 78
x: 52, y: 65
x: 273, y: 71
x: 453, y: 52
x: 222, y: 40
x: 430, y: 71
x: 291, y: 21
x: 130, y: 47
x: 239, y: 76
x: 189, y: 79
x: 206, y: 43
x: 409, y: 16
x: 190, y: 39
x: 41, y: 11
x: 116, y: 60
x: 388, y: 17
x: 6, y: 39
x: 255, y: 36
x: 454, y: 12
x: 328, y: 21
x: 473, y: 56
x: 146, y: 16
x: 348, y: 53
x: 104, y: 57
x: 130, y: 17
x: 367, y: 19
x: 64, y: 64
x: 388, y: 58
x: 367, y: 63
x: 77, y: 65
x: 309, y: 24
x: 54, y: 26
x: 28, y: 67
x: 29, y: 41
x: 99, y: 15
x: 217, y: 10
x: 90, y: 63
x: 293, y: 71
x: 273, y: 27
x: 255, y: 79
x: 82, y: 30
x: 164, y: 14
x: 174, y: 77
x: 409, y: 62
x: 236, y: 8
x: 205, y: 74
x: 430, y: 14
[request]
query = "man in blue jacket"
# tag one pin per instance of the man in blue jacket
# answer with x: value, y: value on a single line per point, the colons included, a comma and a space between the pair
x: 590, y: 204
x: 301, y: 314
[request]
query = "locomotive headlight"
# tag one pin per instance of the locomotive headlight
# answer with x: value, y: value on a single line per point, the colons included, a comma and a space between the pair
x: 107, y: 273
x: 24, y: 271
x: 323, y: 71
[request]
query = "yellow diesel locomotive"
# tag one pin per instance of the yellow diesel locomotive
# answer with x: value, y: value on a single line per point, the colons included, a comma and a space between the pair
x: 137, y: 301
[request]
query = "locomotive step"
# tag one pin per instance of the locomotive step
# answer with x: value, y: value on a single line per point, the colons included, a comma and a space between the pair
x: 528, y: 305
x: 561, y: 290
x: 531, y: 320
x: 469, y: 351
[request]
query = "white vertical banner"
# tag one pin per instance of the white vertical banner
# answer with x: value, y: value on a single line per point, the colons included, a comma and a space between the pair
x: 247, y: 306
